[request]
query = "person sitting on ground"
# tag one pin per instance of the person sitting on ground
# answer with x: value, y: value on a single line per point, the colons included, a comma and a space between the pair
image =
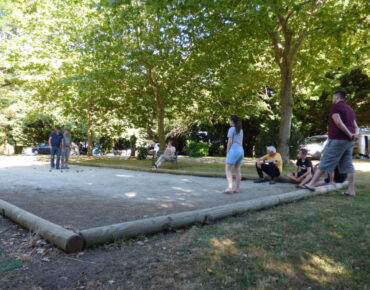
x: 168, y: 155
x: 271, y: 163
x: 303, y: 170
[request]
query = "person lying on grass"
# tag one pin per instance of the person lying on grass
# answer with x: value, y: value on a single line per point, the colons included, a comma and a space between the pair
x: 303, y: 170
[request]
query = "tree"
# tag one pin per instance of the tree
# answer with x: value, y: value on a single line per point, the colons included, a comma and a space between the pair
x: 151, y: 56
x: 291, y: 32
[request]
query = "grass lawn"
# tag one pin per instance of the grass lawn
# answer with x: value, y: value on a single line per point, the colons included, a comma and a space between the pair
x: 319, y: 243
x: 206, y: 167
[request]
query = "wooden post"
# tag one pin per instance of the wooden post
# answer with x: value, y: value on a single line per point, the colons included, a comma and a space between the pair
x: 105, y: 234
x: 67, y: 240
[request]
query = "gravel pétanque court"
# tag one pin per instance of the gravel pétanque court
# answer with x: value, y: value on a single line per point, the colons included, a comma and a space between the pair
x: 84, y: 197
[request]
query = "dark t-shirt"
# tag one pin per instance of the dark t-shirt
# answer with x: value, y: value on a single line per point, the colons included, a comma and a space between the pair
x: 56, y: 139
x: 348, y: 118
x: 304, y: 165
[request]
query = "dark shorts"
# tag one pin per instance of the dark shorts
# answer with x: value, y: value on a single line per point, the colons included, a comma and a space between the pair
x: 299, y: 174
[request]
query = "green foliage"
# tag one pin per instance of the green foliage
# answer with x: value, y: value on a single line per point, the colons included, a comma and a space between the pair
x: 154, y: 64
x: 142, y: 153
x: 37, y: 129
x: 197, y: 149
x: 217, y: 149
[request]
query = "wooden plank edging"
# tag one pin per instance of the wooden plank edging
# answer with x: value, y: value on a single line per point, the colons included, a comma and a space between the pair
x: 67, y: 240
x: 126, y: 230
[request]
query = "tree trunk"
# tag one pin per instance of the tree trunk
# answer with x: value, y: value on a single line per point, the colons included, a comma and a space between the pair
x: 160, y: 120
x: 286, y: 112
x: 89, y: 129
x: 285, y: 52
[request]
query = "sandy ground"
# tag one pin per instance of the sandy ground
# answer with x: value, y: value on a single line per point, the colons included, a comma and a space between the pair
x: 85, y: 197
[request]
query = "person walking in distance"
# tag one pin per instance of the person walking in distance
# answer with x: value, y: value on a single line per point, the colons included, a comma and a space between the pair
x: 343, y: 133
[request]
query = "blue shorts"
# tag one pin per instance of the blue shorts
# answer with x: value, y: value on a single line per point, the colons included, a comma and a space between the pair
x: 235, y: 155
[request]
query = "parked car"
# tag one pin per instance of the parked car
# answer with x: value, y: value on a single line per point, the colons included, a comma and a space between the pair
x: 315, y: 145
x: 27, y: 151
x: 362, y: 146
x: 43, y: 148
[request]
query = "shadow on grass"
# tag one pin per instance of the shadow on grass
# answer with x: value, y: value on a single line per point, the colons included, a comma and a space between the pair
x: 320, y: 243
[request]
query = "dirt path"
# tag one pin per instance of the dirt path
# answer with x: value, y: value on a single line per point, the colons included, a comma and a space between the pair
x: 85, y: 197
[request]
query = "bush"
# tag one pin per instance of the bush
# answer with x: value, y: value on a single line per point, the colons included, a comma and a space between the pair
x: 142, y: 153
x: 217, y: 149
x: 197, y: 149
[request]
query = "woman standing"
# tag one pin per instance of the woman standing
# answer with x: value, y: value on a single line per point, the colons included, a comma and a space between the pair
x: 235, y: 154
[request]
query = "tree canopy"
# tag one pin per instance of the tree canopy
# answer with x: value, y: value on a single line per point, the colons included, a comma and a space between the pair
x: 158, y: 65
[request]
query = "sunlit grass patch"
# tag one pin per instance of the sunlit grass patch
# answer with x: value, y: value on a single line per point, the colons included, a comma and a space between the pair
x: 322, y: 242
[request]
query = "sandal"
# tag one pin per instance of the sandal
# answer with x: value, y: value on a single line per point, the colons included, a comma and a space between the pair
x: 312, y: 189
x: 236, y: 191
x: 226, y: 191
x: 300, y: 186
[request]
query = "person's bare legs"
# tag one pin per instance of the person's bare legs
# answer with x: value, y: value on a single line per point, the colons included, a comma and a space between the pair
x: 351, y: 184
x: 292, y: 177
x: 229, y: 177
x: 315, y: 178
x: 237, y: 177
x: 305, y: 180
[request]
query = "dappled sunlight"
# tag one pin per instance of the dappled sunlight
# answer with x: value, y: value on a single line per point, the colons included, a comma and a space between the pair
x: 186, y: 204
x: 20, y: 161
x: 130, y: 194
x: 182, y: 189
x: 323, y: 269
x: 336, y: 235
x: 124, y: 175
x: 281, y: 267
x: 223, y: 246
x: 165, y: 205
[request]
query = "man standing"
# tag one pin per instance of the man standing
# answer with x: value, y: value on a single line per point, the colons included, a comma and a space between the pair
x: 343, y: 133
x: 67, y: 148
x: 56, y: 144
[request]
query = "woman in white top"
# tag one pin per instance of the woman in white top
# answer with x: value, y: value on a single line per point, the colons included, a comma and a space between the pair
x: 235, y: 154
